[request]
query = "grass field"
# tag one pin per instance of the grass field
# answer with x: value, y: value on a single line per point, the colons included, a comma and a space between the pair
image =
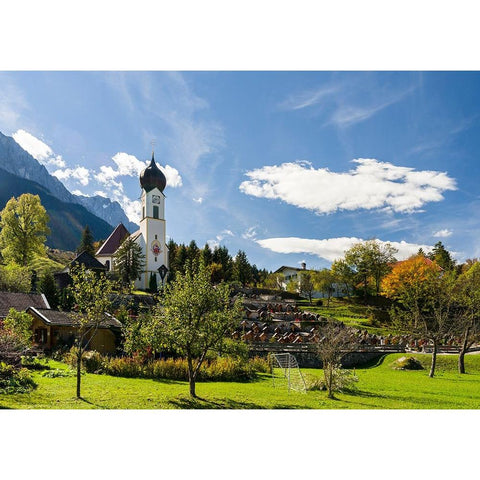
x: 378, y: 387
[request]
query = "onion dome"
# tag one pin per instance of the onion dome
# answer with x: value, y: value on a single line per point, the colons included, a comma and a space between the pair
x: 153, y: 177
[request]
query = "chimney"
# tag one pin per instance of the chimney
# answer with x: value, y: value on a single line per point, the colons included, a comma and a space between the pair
x: 304, y: 265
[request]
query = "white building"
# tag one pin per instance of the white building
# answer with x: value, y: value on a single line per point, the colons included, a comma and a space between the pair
x: 152, y: 233
x: 292, y: 274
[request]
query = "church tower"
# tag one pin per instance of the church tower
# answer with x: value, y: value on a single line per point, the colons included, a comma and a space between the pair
x: 152, y: 236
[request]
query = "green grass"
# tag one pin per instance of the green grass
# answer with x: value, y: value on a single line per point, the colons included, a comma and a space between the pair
x: 351, y: 311
x: 378, y: 387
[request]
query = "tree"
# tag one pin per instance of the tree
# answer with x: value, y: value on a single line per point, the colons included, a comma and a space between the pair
x: 274, y: 281
x: 468, y: 298
x: 306, y: 285
x: 370, y: 260
x: 14, y: 278
x: 335, y: 341
x: 49, y: 289
x: 242, y: 270
x: 23, y: 224
x: 194, y: 318
x: 442, y: 257
x: 324, y: 281
x: 343, y: 274
x: 91, y: 293
x: 86, y: 243
x: 128, y: 261
x: 426, y: 297
x: 152, y: 283
x: 221, y: 256
x: 206, y: 255
x: 20, y: 323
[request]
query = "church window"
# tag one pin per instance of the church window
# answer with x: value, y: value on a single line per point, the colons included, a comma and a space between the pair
x: 155, y: 237
x: 155, y: 212
x: 107, y: 264
x: 155, y: 258
x: 143, y: 212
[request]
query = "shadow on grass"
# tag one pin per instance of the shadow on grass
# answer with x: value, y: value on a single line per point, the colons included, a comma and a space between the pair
x: 224, y: 404
x: 82, y: 399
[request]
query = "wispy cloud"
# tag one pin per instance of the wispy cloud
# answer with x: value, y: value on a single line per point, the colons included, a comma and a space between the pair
x: 80, y: 174
x: 371, y: 185
x: 346, y: 102
x: 332, y: 248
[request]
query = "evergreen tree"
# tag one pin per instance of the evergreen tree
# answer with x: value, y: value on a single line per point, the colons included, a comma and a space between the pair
x: 129, y: 261
x: 221, y: 256
x: 49, y: 289
x: 152, y: 283
x: 442, y: 257
x: 86, y: 243
x: 207, y: 255
x: 181, y: 258
x: 242, y: 270
x: 193, y: 251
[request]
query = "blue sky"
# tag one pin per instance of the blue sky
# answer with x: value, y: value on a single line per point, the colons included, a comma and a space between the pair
x: 288, y: 166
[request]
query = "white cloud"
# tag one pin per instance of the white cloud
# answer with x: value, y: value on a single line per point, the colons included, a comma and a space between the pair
x: 80, y: 174
x: 250, y: 234
x: 100, y: 193
x: 79, y: 193
x: 331, y: 248
x: 38, y: 149
x: 371, y: 185
x: 129, y: 166
x: 443, y: 233
x: 198, y: 200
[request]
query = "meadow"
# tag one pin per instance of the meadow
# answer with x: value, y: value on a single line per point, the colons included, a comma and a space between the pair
x: 378, y: 387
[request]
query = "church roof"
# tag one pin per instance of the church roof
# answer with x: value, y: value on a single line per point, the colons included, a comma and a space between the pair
x: 111, y: 244
x: 153, y: 177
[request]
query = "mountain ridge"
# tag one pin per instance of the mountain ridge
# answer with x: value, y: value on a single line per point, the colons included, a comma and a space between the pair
x: 18, y: 162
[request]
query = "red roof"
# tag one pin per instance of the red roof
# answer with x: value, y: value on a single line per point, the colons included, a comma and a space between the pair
x: 112, y: 243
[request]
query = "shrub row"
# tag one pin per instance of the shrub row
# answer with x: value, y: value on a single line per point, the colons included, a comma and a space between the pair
x: 226, y: 368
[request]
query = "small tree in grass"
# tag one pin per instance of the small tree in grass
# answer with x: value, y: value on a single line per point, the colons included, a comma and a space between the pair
x: 91, y: 294
x: 194, y: 317
x: 334, y: 342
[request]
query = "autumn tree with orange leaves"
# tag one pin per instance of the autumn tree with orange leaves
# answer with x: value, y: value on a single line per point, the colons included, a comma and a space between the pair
x: 425, y: 295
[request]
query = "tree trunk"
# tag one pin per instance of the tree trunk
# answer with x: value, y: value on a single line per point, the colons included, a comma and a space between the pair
x: 463, y: 350
x: 191, y: 378
x: 328, y: 373
x: 79, y: 371
x: 434, y: 359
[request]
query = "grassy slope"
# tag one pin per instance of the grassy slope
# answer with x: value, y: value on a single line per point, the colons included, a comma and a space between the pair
x: 351, y: 311
x: 378, y: 387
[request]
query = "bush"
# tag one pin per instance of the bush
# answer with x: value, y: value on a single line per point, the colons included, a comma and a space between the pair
x: 319, y: 302
x: 59, y: 373
x: 35, y: 363
x: 14, y: 380
x: 220, y: 369
x: 92, y: 361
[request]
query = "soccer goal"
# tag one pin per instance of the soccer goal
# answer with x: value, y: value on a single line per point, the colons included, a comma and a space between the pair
x: 290, y: 372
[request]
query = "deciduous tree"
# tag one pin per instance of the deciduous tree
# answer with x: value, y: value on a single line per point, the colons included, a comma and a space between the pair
x: 91, y: 294
x: 23, y: 224
x: 194, y: 317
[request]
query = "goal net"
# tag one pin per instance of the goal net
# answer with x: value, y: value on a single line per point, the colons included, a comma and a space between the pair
x: 285, y: 372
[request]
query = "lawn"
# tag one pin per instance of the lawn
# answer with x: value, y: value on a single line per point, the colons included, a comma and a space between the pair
x: 378, y: 387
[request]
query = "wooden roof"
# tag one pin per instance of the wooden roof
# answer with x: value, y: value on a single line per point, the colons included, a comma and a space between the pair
x: 20, y: 301
x: 67, y: 319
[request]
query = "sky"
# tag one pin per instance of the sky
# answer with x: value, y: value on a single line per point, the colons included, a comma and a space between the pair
x: 288, y: 166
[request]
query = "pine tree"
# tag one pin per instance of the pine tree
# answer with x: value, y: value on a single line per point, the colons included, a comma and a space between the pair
x: 207, y: 255
x: 86, y: 243
x: 242, y: 270
x: 49, y: 289
x: 152, y: 283
x: 129, y: 261
x: 442, y: 256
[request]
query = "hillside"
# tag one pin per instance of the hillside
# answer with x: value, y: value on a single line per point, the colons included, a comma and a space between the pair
x: 67, y: 220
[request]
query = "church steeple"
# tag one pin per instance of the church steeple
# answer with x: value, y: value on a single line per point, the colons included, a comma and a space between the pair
x: 152, y: 177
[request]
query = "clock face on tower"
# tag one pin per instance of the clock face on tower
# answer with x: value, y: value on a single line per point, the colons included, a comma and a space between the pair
x: 155, y: 199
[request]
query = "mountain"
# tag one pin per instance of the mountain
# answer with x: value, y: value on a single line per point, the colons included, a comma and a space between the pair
x: 15, y: 160
x: 67, y: 219
x: 107, y: 210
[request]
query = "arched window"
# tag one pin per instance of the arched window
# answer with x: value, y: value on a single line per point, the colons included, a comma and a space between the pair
x: 107, y: 264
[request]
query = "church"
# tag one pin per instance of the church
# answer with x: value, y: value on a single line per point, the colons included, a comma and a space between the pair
x: 152, y: 233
